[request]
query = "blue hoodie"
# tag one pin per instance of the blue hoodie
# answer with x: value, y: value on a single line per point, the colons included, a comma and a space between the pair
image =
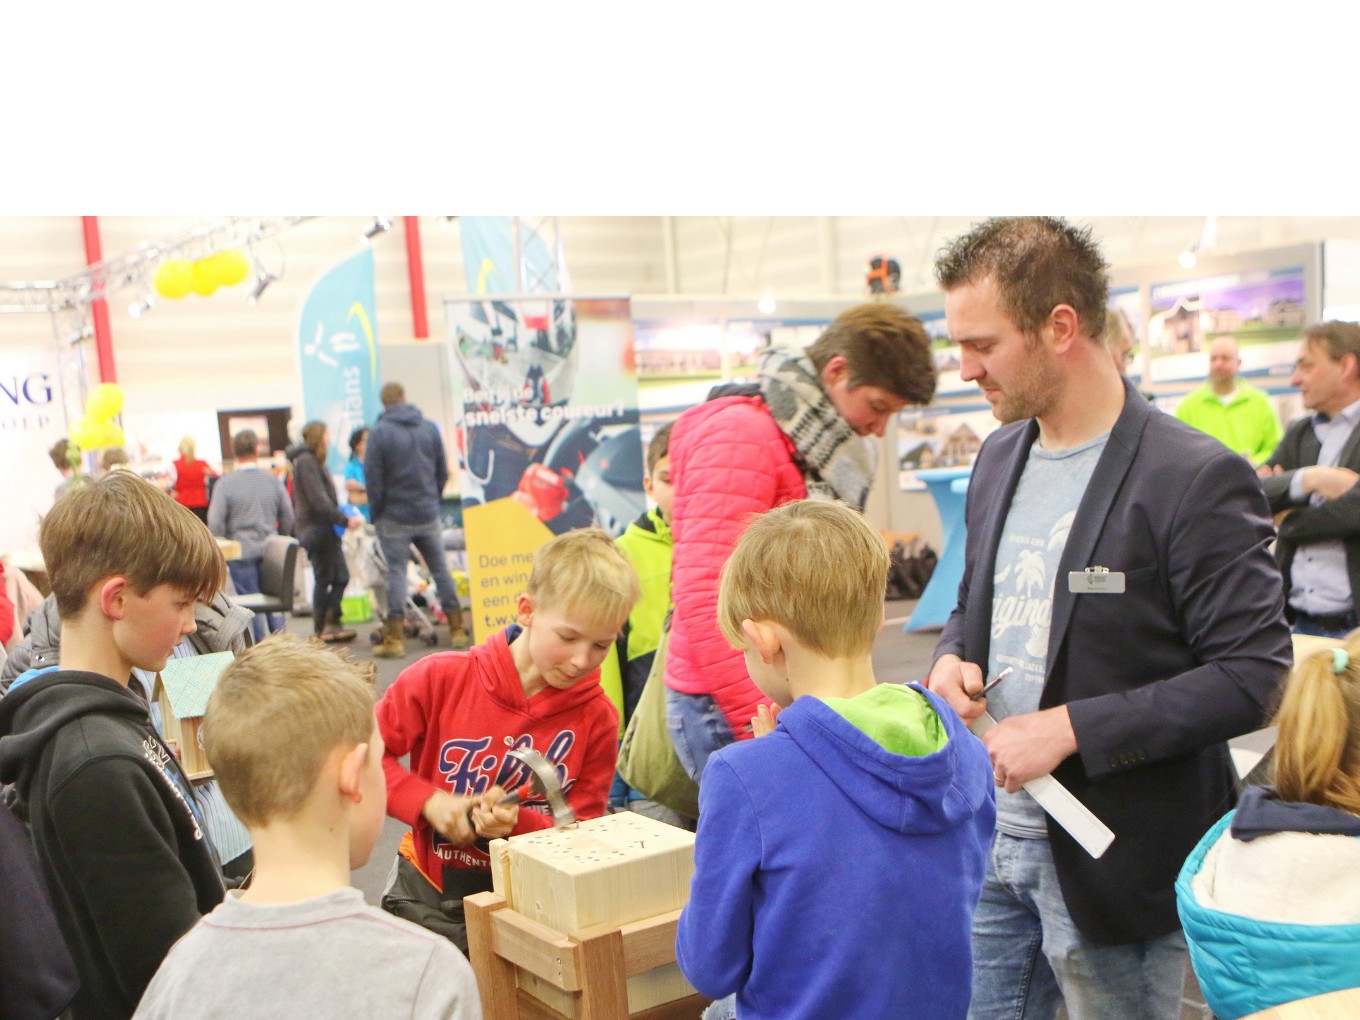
x: 837, y: 879
x: 404, y: 467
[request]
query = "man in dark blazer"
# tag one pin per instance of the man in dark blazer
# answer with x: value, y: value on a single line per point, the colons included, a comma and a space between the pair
x: 1117, y: 560
x: 1310, y: 481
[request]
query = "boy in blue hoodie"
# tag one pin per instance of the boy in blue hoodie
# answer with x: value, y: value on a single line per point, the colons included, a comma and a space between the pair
x: 857, y: 829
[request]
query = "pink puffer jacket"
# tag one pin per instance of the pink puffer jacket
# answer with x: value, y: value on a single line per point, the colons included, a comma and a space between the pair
x: 729, y: 460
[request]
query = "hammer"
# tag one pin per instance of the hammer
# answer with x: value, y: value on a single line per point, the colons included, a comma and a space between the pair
x: 543, y: 778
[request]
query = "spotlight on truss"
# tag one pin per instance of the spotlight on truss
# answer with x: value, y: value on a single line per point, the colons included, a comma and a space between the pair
x: 378, y: 226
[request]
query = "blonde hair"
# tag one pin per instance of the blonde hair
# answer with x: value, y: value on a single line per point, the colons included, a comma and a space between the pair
x: 583, y: 572
x: 122, y: 525
x: 187, y: 447
x: 276, y: 714
x: 1317, y: 753
x: 813, y: 566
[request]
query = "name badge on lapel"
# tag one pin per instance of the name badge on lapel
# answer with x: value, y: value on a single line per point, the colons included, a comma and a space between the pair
x: 1095, y: 581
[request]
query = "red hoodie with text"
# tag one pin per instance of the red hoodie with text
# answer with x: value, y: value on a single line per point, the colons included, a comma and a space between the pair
x: 457, y: 713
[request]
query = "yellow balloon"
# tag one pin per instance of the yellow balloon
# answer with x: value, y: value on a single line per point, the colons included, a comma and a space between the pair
x: 84, y: 433
x: 104, y: 402
x: 112, y: 434
x: 174, y: 278
x: 232, y: 267
x: 204, y: 277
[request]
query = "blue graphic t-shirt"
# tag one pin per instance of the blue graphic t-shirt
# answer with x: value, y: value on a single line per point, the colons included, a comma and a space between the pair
x: 1032, y: 544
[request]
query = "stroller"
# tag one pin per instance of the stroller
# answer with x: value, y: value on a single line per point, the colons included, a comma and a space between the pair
x: 370, y: 569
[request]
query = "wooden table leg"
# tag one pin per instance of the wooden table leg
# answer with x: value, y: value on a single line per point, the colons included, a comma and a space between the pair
x: 495, y: 976
x: 604, y: 985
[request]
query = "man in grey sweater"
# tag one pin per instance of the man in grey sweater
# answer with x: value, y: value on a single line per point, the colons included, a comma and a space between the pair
x: 248, y: 505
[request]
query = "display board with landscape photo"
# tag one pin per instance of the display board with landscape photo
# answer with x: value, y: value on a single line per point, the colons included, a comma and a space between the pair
x: 944, y: 435
x: 679, y: 361
x: 1262, y: 309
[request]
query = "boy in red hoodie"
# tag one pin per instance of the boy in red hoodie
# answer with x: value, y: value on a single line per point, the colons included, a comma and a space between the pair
x: 534, y: 685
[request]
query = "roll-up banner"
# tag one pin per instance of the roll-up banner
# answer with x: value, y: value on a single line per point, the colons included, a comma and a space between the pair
x: 338, y: 352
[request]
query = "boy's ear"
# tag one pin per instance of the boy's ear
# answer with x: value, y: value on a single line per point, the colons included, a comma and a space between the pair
x: 647, y: 483
x: 835, y: 370
x: 763, y: 638
x: 350, y: 779
x: 524, y: 609
x: 112, y: 596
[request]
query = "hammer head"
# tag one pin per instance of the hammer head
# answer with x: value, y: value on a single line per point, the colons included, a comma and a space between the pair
x: 545, y: 783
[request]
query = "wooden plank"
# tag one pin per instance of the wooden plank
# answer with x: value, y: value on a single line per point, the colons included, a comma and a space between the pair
x: 650, y: 943
x: 681, y: 1009
x: 532, y: 1009
x: 604, y: 986
x: 535, y: 947
x: 495, y: 976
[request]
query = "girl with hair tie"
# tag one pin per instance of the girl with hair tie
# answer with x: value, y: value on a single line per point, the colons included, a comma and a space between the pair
x: 1270, y: 898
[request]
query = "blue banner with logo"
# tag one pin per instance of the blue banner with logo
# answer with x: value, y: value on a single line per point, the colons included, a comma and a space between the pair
x: 338, y: 349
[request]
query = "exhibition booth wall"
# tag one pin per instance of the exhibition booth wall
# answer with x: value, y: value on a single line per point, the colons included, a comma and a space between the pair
x: 182, y: 361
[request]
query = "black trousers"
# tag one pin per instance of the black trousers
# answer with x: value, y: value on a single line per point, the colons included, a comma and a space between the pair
x: 329, y: 573
x: 412, y: 898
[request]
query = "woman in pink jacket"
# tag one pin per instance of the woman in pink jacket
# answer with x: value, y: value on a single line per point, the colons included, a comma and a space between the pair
x: 798, y: 431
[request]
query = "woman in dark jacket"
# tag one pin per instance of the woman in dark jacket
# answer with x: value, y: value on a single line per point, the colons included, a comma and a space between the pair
x: 318, y: 515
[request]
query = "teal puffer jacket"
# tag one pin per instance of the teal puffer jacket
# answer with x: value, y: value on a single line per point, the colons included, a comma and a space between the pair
x: 1245, y: 965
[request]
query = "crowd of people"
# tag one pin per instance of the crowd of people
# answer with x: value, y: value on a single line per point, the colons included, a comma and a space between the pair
x: 862, y: 849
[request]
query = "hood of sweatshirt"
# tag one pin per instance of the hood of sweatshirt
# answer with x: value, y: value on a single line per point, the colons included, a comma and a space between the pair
x: 1260, y: 812
x: 402, y: 414
x: 918, y: 792
x: 501, y: 680
x: 31, y: 714
x: 40, y: 646
x: 222, y: 625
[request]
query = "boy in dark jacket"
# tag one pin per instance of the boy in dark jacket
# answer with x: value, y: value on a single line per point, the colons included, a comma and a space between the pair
x: 112, y: 815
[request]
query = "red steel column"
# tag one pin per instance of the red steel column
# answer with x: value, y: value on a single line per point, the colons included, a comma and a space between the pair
x: 415, y: 265
x: 99, y: 308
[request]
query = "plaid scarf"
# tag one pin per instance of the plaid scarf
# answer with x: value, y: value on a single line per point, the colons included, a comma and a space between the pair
x: 837, y: 464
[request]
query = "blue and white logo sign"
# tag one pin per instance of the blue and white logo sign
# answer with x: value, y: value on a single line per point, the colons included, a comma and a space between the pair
x: 338, y: 348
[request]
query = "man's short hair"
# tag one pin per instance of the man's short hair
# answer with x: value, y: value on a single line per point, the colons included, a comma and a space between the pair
x: 1335, y: 337
x: 392, y: 394
x: 659, y: 447
x: 111, y: 456
x: 276, y: 714
x: 813, y: 566
x: 1038, y: 263
x: 885, y: 346
x: 245, y: 444
x: 61, y: 454
x: 583, y: 572
x: 122, y: 525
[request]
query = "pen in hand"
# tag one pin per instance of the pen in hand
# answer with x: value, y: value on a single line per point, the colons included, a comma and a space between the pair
x: 990, y: 684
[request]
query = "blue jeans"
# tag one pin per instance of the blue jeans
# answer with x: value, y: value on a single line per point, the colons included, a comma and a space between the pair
x: 1028, y: 955
x: 245, y: 577
x: 396, y: 540
x: 698, y: 728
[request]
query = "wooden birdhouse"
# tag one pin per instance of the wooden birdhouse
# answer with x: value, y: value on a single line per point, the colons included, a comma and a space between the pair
x: 610, y: 871
x: 182, y: 689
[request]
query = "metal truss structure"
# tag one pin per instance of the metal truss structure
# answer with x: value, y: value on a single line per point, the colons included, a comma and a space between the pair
x: 135, y: 268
